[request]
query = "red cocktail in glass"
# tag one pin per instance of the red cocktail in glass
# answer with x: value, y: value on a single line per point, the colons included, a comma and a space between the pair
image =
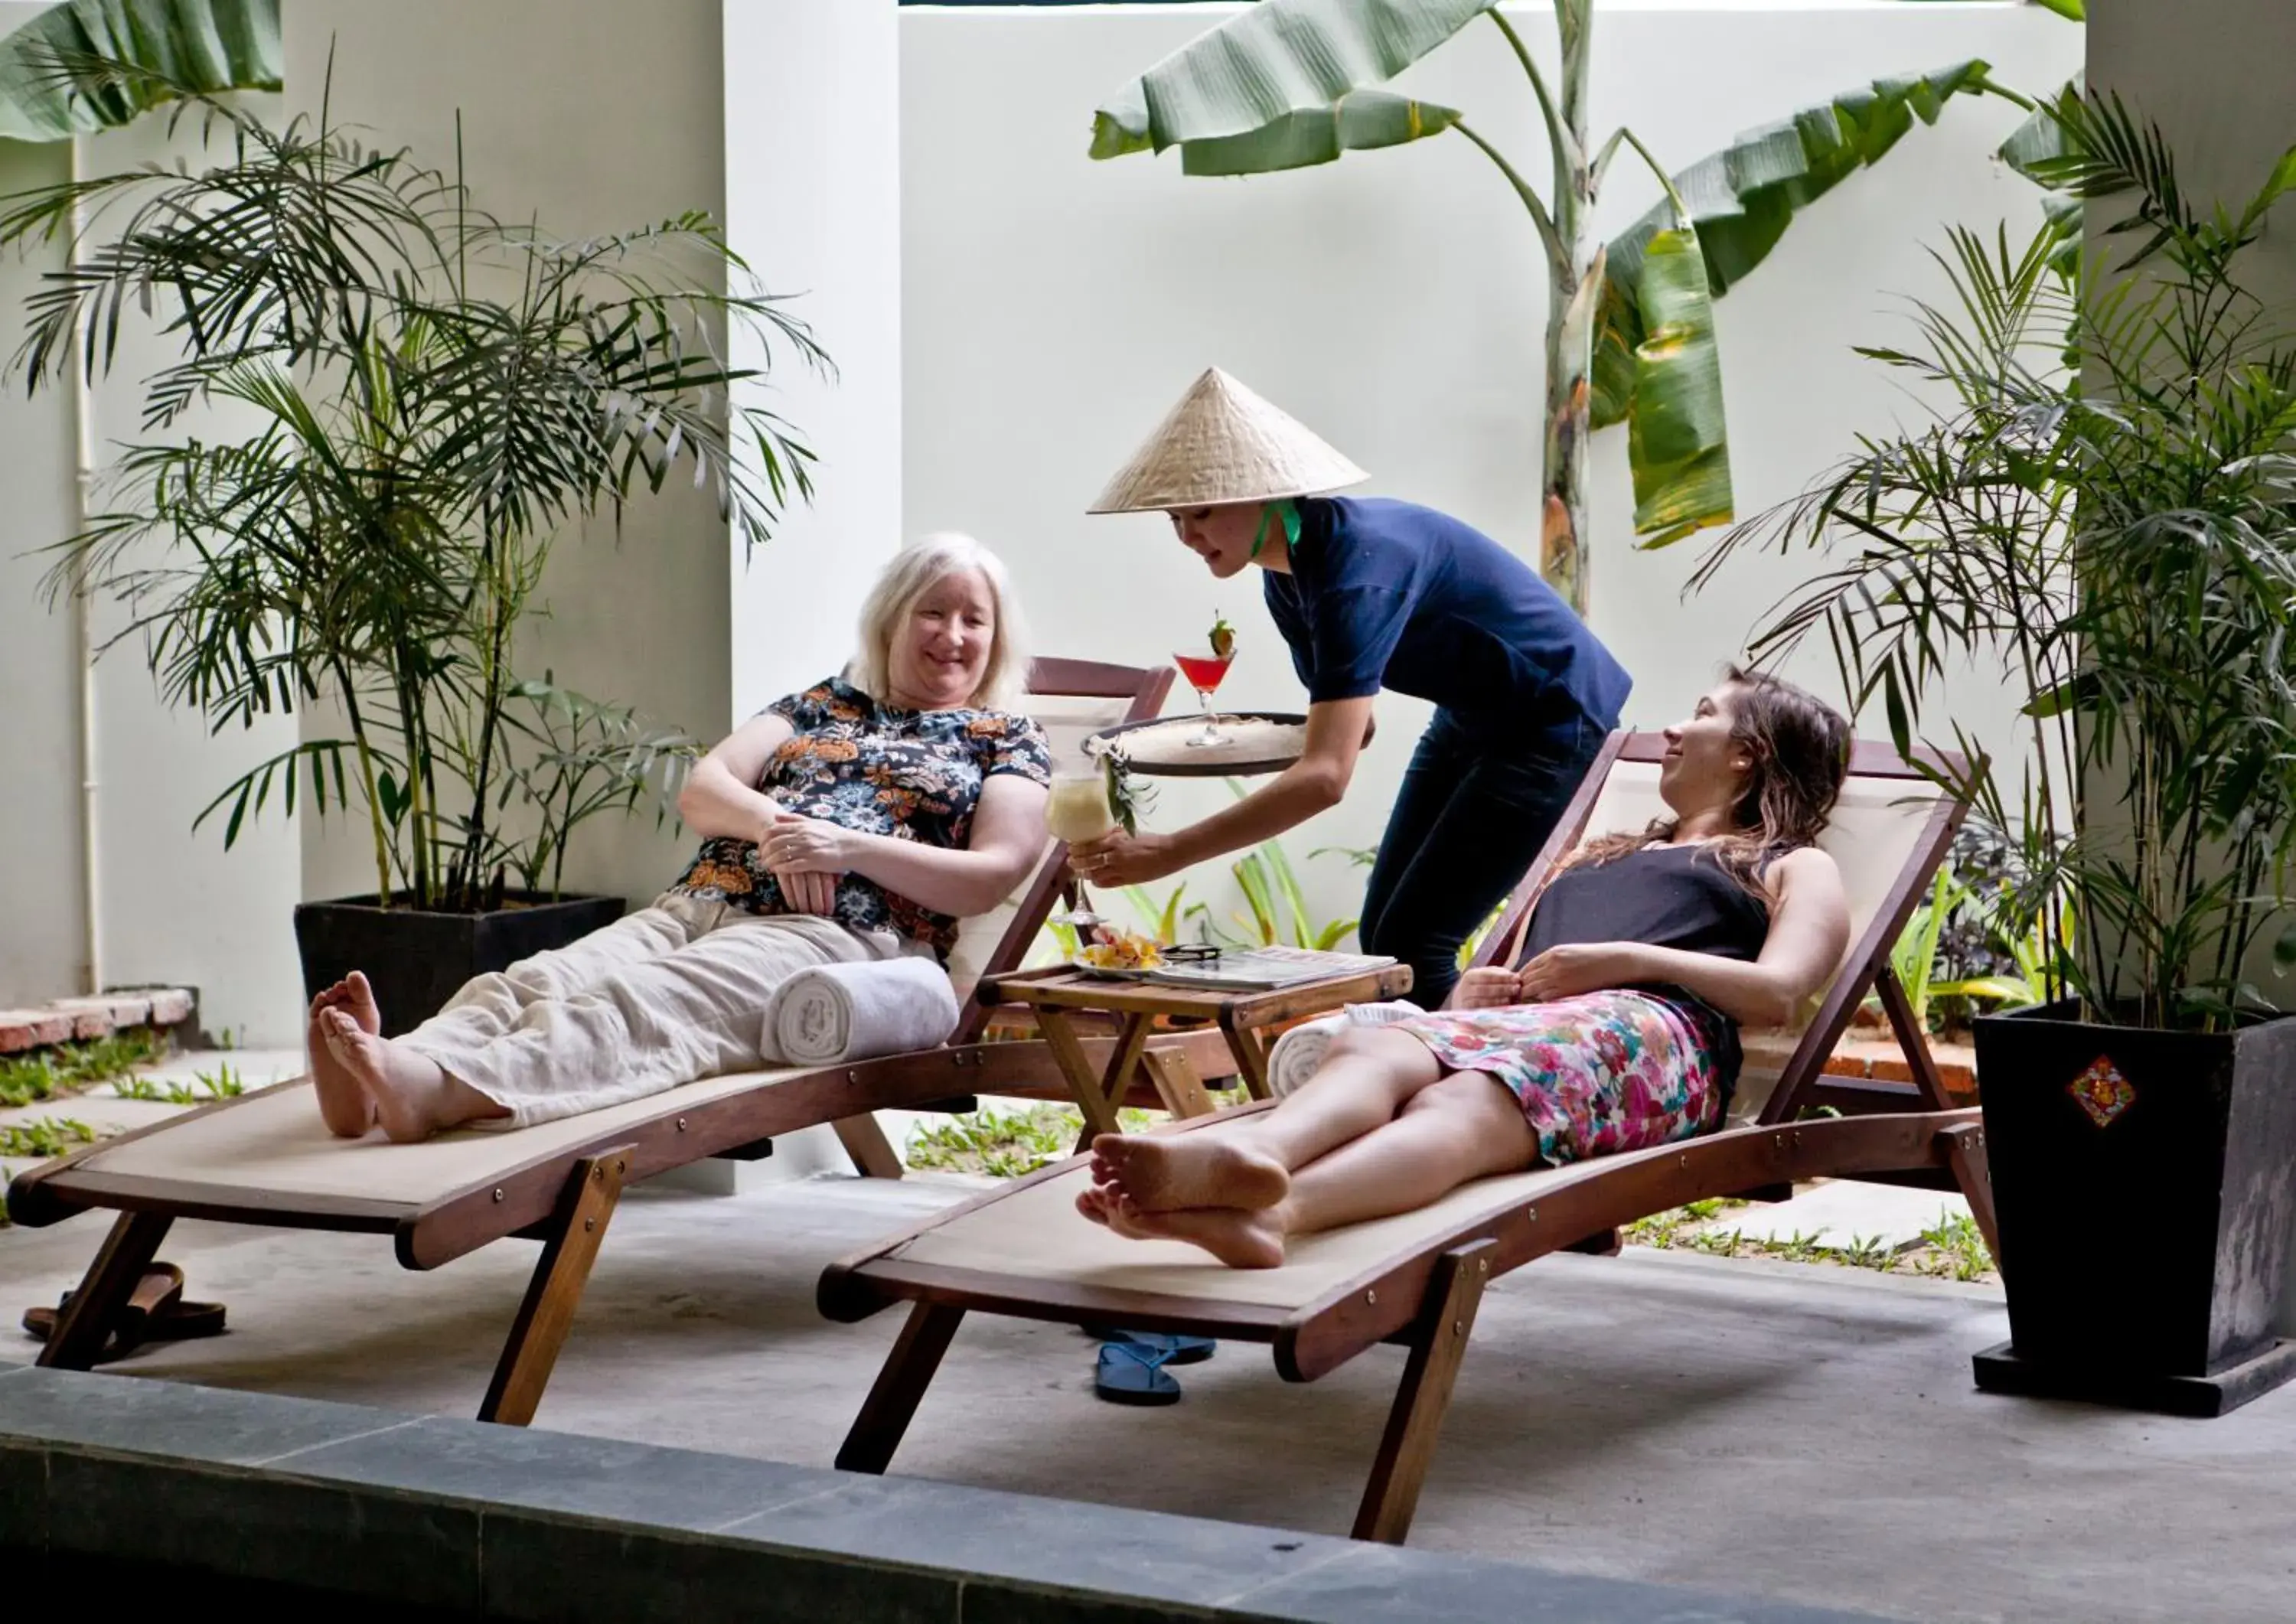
x: 1205, y: 672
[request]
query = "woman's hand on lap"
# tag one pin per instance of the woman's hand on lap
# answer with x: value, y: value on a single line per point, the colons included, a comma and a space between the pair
x: 805, y: 846
x: 1576, y: 967
x: 806, y: 856
x: 1123, y: 859
x: 1486, y: 988
x: 806, y: 893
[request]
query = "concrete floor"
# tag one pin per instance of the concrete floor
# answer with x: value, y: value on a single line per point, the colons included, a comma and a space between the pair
x: 1805, y: 1433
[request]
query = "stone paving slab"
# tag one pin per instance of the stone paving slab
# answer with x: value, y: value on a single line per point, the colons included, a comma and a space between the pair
x: 1748, y: 1426
x: 331, y: 1499
x: 1841, y: 1214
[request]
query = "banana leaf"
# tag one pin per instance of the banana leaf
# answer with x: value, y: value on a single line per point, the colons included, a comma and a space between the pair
x: 47, y: 94
x: 1268, y: 90
x: 1741, y: 200
x: 1360, y: 122
x: 2043, y: 139
x: 1676, y: 444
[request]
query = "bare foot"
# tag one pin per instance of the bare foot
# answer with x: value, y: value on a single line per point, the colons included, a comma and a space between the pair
x: 1102, y: 1206
x: 413, y: 1097
x: 1162, y: 1173
x: 346, y: 1106
x: 1237, y: 1238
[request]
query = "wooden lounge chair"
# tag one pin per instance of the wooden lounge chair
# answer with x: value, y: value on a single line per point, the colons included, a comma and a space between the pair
x: 1416, y: 1278
x: 267, y: 1158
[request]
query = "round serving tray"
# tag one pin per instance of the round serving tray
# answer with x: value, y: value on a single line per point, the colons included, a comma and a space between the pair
x: 1257, y: 742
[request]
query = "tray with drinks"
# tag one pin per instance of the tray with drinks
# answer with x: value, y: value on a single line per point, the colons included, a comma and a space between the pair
x: 1248, y: 742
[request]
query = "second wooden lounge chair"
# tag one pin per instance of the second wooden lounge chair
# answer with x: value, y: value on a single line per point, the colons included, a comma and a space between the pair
x: 1417, y: 1278
x: 267, y: 1159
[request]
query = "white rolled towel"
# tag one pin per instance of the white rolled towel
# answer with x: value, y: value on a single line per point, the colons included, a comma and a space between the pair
x: 1298, y: 1054
x: 857, y: 1010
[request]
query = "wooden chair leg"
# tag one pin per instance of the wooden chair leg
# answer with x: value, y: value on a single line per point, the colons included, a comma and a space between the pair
x: 867, y: 1143
x: 1076, y: 1068
x: 1453, y: 1294
x: 1964, y: 1154
x: 899, y: 1389
x: 119, y: 1263
x: 1250, y: 1057
x: 1177, y: 1083
x: 593, y: 1187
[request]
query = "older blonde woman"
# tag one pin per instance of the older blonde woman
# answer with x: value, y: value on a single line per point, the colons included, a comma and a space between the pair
x: 858, y: 819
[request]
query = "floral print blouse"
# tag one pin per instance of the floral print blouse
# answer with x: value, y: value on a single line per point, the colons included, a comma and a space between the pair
x: 856, y: 762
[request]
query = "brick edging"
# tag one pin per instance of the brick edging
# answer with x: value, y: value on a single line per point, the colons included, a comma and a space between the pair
x: 65, y: 1020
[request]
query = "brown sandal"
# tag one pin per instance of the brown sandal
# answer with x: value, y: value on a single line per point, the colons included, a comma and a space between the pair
x: 155, y: 1311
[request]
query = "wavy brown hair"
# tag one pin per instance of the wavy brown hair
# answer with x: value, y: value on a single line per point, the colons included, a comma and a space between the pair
x: 1800, y: 750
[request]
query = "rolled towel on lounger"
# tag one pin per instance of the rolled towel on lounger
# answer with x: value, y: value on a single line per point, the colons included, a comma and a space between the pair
x: 1300, y: 1052
x: 854, y: 1011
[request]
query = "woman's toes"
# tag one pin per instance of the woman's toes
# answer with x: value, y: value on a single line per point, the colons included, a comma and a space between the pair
x: 358, y: 999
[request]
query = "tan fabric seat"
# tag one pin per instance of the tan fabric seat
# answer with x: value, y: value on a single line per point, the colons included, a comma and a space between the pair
x: 274, y: 1141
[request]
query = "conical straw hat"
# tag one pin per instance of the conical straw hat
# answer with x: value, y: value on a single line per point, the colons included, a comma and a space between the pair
x: 1223, y: 443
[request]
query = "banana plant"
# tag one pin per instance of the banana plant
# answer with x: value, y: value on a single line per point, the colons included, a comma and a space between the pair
x: 1630, y: 326
x: 210, y: 46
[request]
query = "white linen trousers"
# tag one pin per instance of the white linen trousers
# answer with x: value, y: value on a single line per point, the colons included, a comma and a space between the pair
x: 671, y: 993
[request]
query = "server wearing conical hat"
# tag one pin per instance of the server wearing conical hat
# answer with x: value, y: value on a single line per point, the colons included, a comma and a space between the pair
x: 1372, y: 594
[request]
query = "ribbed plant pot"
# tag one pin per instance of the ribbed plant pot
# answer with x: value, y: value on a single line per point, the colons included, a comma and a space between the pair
x: 417, y: 960
x: 2145, y: 1182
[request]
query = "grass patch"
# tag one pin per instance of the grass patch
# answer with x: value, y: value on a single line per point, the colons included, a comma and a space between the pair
x: 222, y: 1083
x: 1008, y: 1143
x: 74, y: 1068
x: 1950, y: 1250
x: 44, y: 1136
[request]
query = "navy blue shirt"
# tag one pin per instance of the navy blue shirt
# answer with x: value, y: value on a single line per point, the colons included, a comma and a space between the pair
x: 1387, y: 595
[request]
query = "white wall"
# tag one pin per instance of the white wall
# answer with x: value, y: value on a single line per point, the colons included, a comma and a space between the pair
x: 1052, y: 308
x: 42, y: 941
x: 174, y: 907
x: 813, y: 200
x: 589, y: 118
x: 1055, y: 308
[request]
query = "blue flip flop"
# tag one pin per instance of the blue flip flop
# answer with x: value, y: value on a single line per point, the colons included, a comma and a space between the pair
x: 1175, y: 1349
x: 1129, y: 1374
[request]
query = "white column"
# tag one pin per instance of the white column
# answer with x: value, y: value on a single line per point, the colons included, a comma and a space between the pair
x: 813, y: 200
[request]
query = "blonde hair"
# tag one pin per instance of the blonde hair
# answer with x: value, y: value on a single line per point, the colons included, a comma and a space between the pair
x: 914, y: 571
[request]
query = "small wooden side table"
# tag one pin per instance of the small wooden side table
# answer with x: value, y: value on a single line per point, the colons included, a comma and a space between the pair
x: 1058, y: 995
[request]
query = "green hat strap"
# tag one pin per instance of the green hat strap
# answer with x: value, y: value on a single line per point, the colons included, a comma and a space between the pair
x: 1290, y: 509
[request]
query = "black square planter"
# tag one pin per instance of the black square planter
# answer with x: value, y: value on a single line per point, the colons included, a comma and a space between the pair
x: 417, y: 960
x: 2144, y: 1183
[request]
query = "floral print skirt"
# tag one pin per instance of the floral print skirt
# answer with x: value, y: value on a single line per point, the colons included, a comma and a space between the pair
x: 1598, y: 1073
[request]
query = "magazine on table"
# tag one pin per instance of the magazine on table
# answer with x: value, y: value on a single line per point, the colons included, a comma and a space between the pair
x: 1254, y: 969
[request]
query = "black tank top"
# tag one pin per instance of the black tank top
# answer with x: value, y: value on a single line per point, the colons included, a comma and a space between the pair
x: 1664, y: 896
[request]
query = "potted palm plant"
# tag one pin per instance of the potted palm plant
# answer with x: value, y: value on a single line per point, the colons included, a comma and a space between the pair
x: 2106, y: 505
x: 430, y: 398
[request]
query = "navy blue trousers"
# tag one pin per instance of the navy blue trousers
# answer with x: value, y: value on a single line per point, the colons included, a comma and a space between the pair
x: 1467, y: 824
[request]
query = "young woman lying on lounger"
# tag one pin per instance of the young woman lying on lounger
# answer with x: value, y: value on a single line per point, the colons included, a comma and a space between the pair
x: 1644, y: 955
x: 859, y: 819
